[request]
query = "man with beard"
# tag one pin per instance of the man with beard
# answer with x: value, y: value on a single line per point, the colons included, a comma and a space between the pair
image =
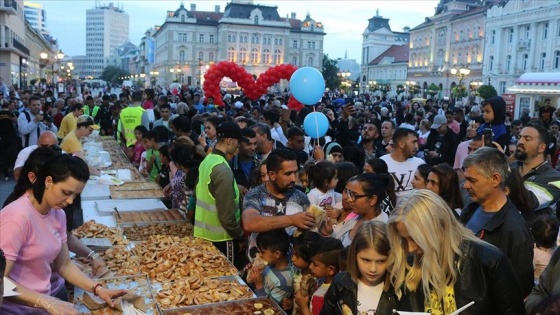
x: 537, y: 173
x: 402, y: 163
x: 244, y: 162
x: 370, y: 133
x: 275, y: 204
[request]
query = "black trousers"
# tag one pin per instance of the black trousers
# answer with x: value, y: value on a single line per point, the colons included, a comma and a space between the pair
x: 233, y: 253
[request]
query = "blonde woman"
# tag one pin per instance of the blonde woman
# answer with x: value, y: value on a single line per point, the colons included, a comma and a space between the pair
x: 438, y: 266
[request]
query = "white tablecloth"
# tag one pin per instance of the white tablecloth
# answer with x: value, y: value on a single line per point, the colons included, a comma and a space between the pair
x: 91, y: 208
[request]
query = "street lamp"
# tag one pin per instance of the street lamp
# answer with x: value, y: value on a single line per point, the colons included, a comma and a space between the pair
x: 410, y: 84
x: 461, y: 74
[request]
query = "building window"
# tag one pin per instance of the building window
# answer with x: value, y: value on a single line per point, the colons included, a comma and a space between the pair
x: 525, y: 61
x: 231, y: 54
x: 545, y: 30
x: 201, y: 38
x: 461, y: 35
x: 252, y: 39
x: 233, y: 38
x: 276, y: 41
x: 543, y: 58
x: 182, y: 19
x: 491, y: 63
x: 266, y: 56
x: 441, y: 38
x: 254, y: 55
x: 510, y: 35
x: 201, y: 56
x: 508, y: 62
x: 294, y: 61
x: 256, y: 19
x: 211, y: 56
x: 493, y: 37
x: 312, y: 45
x: 277, y: 56
x: 211, y: 38
x: 243, y: 55
x: 502, y: 87
x: 182, y: 55
x: 257, y: 39
x: 527, y: 31
x: 229, y: 38
x: 556, y: 59
x: 182, y: 37
x: 294, y: 44
x: 280, y: 41
x: 310, y: 61
x: 245, y: 38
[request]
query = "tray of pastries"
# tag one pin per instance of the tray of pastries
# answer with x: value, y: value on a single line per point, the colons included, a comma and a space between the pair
x: 148, y: 216
x: 168, y: 258
x: 92, y: 229
x: 136, y: 186
x: 142, y: 231
x: 196, y: 290
x: 256, y: 306
x: 138, y: 284
x: 137, y: 194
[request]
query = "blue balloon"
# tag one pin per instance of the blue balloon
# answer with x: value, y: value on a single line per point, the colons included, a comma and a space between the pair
x: 307, y: 85
x: 316, y: 125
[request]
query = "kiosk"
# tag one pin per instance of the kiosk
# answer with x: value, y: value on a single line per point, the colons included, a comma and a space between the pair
x: 531, y: 89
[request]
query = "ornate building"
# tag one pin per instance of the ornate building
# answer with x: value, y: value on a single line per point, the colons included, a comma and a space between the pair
x: 377, y: 38
x: 523, y: 36
x: 252, y: 35
x: 452, y: 39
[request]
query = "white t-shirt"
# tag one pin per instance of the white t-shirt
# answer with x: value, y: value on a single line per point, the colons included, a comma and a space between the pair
x: 368, y: 298
x: 23, y: 155
x: 402, y: 172
x: 330, y: 198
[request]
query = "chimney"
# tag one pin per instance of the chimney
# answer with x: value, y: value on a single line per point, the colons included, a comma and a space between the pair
x: 293, y: 15
x: 217, y: 9
x: 193, y: 7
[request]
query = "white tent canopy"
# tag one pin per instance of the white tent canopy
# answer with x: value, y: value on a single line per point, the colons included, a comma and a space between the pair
x: 537, y: 83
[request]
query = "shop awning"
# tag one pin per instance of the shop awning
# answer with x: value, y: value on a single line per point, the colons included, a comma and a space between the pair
x: 540, y: 83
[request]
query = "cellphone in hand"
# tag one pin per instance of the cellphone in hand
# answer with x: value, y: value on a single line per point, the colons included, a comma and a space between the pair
x: 201, y: 129
x: 488, y: 137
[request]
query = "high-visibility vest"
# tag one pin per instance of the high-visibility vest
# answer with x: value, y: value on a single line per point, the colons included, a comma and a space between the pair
x: 131, y: 117
x: 206, y: 222
x: 93, y: 112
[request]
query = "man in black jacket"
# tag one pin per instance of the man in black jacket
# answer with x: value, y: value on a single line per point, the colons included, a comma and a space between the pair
x: 441, y: 143
x: 492, y: 216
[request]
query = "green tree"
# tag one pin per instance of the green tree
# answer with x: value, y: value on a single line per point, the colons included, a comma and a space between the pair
x: 487, y: 91
x: 330, y: 73
x: 433, y: 89
x: 113, y: 74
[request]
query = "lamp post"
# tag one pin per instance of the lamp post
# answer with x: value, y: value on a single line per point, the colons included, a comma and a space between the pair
x: 153, y: 77
x: 410, y: 84
x: 58, y: 56
x: 175, y: 71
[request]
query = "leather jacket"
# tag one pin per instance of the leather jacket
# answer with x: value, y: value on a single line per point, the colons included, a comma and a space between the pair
x: 344, y: 291
x: 508, y: 231
x: 485, y: 277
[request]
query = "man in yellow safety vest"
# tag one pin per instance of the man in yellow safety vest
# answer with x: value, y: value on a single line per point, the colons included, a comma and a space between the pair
x: 131, y: 117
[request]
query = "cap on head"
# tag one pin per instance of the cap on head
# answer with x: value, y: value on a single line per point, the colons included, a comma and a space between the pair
x: 86, y: 121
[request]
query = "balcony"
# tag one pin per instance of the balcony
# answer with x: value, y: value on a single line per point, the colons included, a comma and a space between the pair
x: 8, y: 6
x: 524, y: 44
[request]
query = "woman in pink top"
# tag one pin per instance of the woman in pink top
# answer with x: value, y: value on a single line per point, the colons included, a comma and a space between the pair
x: 33, y: 238
x: 148, y: 102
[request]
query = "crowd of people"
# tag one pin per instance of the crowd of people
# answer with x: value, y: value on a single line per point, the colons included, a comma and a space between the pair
x: 424, y: 207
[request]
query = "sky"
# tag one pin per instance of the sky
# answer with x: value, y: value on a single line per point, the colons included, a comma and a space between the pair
x: 344, y: 21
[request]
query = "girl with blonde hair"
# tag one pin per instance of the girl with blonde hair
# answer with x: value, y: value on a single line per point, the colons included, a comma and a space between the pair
x: 450, y: 267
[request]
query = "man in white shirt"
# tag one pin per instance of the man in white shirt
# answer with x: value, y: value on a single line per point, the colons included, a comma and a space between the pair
x: 402, y: 162
x: 46, y: 139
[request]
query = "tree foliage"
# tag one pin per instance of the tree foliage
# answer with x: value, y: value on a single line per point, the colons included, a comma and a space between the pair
x: 113, y: 74
x: 433, y: 89
x: 330, y: 73
x: 487, y: 91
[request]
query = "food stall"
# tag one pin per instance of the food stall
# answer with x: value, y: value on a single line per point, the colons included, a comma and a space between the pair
x: 150, y: 251
x: 531, y: 89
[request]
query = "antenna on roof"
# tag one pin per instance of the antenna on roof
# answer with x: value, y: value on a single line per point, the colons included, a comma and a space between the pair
x: 346, y: 54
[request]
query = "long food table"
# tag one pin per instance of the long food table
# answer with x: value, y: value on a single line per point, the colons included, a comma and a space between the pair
x: 153, y: 254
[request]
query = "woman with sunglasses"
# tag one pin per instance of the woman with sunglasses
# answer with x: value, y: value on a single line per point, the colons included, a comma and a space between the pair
x: 34, y: 239
x: 365, y: 194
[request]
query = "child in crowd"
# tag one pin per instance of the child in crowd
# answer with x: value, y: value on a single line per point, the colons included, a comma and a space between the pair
x: 139, y: 132
x: 324, y: 265
x: 304, y: 281
x: 276, y: 280
x: 163, y: 177
x: 363, y: 289
x: 153, y: 162
x: 545, y: 233
x: 324, y: 178
x: 494, y: 115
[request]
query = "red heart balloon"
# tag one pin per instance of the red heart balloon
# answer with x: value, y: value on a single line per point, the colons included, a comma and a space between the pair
x: 251, y: 88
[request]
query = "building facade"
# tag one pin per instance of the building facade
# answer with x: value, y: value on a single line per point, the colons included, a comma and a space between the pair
x: 451, y: 39
x: 252, y: 35
x: 388, y: 72
x: 107, y: 28
x: 376, y: 39
x: 36, y: 16
x: 523, y: 36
